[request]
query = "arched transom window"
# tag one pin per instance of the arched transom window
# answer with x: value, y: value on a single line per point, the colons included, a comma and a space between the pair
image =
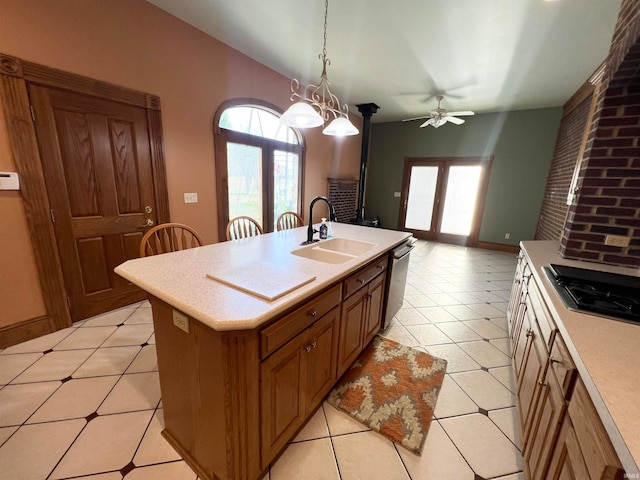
x: 259, y: 164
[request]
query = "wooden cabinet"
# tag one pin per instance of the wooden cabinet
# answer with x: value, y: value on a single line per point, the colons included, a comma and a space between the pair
x: 562, y: 434
x: 295, y: 378
x: 567, y: 462
x: 361, y: 315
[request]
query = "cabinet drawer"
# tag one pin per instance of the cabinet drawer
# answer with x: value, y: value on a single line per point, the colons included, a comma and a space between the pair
x: 547, y: 326
x: 279, y: 333
x: 562, y: 366
x: 363, y: 276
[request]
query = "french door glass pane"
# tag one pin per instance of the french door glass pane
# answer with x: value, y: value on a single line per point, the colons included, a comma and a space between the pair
x: 244, y: 165
x: 422, y: 191
x: 460, y: 199
x: 285, y: 183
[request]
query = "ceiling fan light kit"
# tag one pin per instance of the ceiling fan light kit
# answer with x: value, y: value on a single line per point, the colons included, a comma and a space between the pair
x: 440, y: 116
x: 315, y: 104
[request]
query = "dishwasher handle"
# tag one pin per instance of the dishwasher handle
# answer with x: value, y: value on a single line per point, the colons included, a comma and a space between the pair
x: 404, y: 249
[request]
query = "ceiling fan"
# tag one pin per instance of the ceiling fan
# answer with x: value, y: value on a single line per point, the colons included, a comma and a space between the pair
x: 440, y: 116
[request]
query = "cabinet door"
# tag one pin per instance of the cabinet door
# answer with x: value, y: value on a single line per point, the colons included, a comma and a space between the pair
x: 521, y: 343
x: 567, y: 462
x: 545, y: 424
x: 353, y: 311
x: 373, y: 317
x: 532, y: 371
x: 320, y: 358
x: 282, y: 402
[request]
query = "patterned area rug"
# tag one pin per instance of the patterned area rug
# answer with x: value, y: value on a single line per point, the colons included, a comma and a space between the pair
x: 392, y: 389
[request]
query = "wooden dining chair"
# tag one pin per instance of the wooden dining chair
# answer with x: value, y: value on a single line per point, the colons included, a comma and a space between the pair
x: 168, y: 237
x: 243, y: 227
x: 289, y: 220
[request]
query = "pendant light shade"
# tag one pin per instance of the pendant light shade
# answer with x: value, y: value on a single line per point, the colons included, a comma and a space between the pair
x: 340, y: 127
x: 301, y: 115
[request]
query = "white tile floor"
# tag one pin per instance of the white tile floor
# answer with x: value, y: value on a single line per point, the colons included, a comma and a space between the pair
x: 84, y: 402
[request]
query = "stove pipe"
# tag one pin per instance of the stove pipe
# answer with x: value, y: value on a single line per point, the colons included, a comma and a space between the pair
x: 367, y: 110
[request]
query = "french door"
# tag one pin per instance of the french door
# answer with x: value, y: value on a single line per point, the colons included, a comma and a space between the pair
x: 443, y: 198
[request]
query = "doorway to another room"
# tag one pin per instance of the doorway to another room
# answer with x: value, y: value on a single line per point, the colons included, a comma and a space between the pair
x: 443, y: 198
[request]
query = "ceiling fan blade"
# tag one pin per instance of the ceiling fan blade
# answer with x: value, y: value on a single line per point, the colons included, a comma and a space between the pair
x: 416, y: 118
x: 427, y: 123
x: 457, y: 121
x: 460, y: 114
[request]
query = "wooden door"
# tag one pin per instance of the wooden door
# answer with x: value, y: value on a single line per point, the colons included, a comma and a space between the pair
x: 373, y: 319
x: 350, y: 340
x: 282, y: 396
x: 545, y: 426
x: 96, y: 161
x: 321, y: 359
x: 567, y: 462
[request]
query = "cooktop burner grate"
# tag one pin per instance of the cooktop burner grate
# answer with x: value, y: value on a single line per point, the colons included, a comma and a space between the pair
x: 600, y: 293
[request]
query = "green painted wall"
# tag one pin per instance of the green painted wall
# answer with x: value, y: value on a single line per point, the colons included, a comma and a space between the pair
x: 521, y: 143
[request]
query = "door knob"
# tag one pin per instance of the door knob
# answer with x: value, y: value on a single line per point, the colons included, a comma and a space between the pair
x: 148, y: 209
x: 148, y: 223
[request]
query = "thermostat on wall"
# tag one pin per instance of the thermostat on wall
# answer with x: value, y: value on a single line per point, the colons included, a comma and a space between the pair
x: 9, y: 181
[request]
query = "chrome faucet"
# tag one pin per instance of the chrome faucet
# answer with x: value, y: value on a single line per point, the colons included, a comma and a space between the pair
x: 310, y: 229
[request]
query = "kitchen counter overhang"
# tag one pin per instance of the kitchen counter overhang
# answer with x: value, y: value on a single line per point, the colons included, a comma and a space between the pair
x: 180, y: 278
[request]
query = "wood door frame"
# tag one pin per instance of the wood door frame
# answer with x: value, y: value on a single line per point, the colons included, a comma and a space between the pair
x: 15, y: 76
x: 485, y: 162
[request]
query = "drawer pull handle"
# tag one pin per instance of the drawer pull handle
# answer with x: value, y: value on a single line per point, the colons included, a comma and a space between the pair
x: 529, y: 332
x: 381, y: 267
x: 313, y: 313
x: 361, y: 280
x: 308, y: 348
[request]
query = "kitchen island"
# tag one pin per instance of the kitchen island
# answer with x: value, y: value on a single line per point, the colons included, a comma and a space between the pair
x: 578, y: 377
x: 247, y: 356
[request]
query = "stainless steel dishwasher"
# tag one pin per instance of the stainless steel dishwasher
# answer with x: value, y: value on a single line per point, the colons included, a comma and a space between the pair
x: 397, y: 278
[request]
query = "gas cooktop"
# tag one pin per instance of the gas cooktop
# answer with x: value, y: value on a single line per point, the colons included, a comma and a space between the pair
x: 601, y: 293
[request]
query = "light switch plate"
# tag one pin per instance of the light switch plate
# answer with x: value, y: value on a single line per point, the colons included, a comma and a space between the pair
x: 181, y: 321
x: 396, y: 194
x: 9, y: 181
x: 190, y: 198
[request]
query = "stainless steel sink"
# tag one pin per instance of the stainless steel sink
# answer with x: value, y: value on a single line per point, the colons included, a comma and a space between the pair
x: 335, y: 250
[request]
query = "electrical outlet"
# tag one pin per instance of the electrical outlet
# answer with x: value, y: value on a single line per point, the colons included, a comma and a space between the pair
x: 190, y: 198
x: 507, y: 236
x: 181, y: 321
x: 617, y: 241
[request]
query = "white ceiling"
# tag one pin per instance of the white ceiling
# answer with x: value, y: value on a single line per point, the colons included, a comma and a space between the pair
x: 482, y: 55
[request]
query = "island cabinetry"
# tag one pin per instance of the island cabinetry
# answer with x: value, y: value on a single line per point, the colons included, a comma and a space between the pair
x: 361, y: 316
x: 298, y: 371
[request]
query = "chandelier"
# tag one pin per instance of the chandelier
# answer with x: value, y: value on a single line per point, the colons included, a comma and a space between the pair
x: 315, y: 104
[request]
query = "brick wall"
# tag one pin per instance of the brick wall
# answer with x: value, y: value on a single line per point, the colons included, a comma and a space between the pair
x: 343, y: 195
x: 554, y: 203
x: 609, y: 198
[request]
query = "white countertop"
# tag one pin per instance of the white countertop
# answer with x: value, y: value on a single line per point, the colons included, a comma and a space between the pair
x: 606, y: 353
x: 179, y: 278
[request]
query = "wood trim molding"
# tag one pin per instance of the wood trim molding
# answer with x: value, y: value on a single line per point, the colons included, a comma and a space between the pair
x: 500, y: 247
x: 586, y: 90
x: 26, y: 155
x: 25, y: 330
x: 15, y: 76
